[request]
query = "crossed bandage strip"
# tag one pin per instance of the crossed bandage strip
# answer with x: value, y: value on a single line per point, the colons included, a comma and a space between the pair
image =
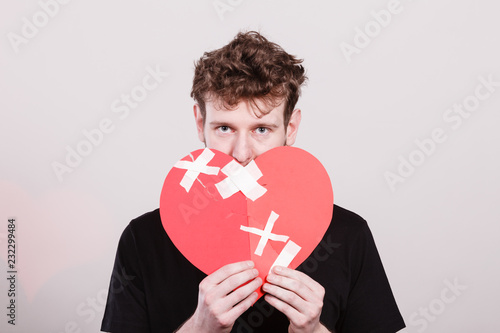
x: 286, y: 255
x: 241, y: 178
x: 265, y: 234
x: 196, y: 167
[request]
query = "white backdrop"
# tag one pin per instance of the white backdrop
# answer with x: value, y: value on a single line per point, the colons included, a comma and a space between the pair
x: 402, y: 107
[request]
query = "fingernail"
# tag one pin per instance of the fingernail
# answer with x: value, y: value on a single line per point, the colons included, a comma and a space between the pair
x: 255, y: 272
x: 277, y: 269
x: 250, y: 263
x: 271, y: 277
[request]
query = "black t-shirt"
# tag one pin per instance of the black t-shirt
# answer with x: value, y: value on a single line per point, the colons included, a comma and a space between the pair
x: 154, y: 288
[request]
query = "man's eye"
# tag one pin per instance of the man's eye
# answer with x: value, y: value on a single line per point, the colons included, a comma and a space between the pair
x: 224, y: 129
x: 262, y: 130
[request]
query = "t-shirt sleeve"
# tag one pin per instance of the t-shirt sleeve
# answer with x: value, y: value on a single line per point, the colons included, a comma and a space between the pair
x: 126, y: 308
x: 371, y: 307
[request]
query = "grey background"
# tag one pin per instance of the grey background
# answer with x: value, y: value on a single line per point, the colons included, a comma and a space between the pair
x: 360, y: 114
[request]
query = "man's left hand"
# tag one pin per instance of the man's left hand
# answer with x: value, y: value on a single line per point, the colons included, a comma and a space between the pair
x: 298, y: 296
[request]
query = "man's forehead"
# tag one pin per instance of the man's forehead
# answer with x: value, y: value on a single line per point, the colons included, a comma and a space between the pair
x: 243, y: 113
x: 258, y: 109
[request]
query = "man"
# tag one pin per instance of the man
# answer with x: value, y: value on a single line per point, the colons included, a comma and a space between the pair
x: 245, y: 97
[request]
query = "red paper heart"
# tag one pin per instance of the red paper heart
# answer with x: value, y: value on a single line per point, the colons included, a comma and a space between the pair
x: 211, y: 231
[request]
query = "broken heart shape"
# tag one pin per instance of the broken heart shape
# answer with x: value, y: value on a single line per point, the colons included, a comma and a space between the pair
x: 273, y: 211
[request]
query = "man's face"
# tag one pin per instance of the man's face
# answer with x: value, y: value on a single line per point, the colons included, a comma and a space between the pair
x: 243, y: 133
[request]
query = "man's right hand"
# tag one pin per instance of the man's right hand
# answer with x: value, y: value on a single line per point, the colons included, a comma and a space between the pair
x: 219, y: 304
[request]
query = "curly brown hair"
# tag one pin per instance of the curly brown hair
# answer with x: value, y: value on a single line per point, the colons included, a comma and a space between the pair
x: 248, y: 68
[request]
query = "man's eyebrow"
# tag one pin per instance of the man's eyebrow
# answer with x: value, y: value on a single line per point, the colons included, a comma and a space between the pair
x: 259, y: 124
x: 270, y: 124
x: 219, y: 123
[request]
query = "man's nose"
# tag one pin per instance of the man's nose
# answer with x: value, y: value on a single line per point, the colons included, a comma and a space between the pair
x: 242, y: 150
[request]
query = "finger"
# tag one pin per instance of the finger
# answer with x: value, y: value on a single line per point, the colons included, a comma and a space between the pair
x: 283, y: 307
x: 296, y: 295
x: 293, y: 275
x: 287, y: 292
x: 308, y: 316
x: 224, y: 272
x: 234, y: 313
x: 244, y: 291
x: 234, y: 281
x: 238, y: 301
